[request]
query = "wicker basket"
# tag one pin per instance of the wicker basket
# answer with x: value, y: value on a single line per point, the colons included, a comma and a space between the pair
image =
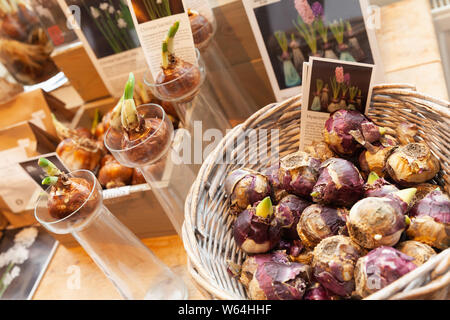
x: 207, y: 229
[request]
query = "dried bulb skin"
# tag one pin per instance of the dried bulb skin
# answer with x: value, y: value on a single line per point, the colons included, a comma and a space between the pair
x: 340, y: 128
x: 292, y: 247
x: 421, y: 252
x: 317, y: 292
x: 137, y: 177
x: 112, y: 174
x: 379, y: 268
x: 430, y: 221
x: 334, y: 262
x: 298, y: 173
x: 375, y: 222
x: 318, y: 222
x: 379, y: 188
x: 273, y: 176
x: 245, y: 187
x: 423, y: 190
x: 320, y: 150
x: 339, y: 183
x: 279, y: 281
x: 252, y: 263
x: 64, y: 200
x: 375, y: 160
x: 427, y: 230
x: 406, y: 131
x: 435, y: 204
x: 287, y: 214
x: 255, y: 234
x: 412, y: 163
x: 305, y: 257
x: 76, y: 157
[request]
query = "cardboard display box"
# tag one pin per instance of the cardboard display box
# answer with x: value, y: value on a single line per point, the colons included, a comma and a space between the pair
x: 84, y: 79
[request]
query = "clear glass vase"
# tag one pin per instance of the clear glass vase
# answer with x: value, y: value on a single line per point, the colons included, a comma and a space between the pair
x: 134, y: 270
x: 169, y: 179
x: 196, y: 103
x: 25, y: 47
x: 235, y: 102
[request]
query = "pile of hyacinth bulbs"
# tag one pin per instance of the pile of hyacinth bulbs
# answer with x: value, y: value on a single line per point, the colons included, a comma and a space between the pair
x: 343, y: 219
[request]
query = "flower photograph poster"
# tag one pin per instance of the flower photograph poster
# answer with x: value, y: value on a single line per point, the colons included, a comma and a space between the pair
x: 107, y: 31
x: 288, y: 32
x: 107, y: 26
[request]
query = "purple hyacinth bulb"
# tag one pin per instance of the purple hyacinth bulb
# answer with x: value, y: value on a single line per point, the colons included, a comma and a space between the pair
x: 272, y: 174
x: 379, y: 268
x: 256, y: 233
x: 287, y: 214
x: 339, y: 183
x: 279, y: 281
x: 346, y: 130
x: 378, y: 187
x: 298, y: 173
x: 430, y: 220
x: 334, y: 262
x: 244, y: 187
x: 252, y: 263
x: 318, y: 222
x: 317, y: 292
x: 374, y: 222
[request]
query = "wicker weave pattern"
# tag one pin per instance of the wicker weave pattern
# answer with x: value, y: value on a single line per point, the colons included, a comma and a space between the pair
x: 207, y: 231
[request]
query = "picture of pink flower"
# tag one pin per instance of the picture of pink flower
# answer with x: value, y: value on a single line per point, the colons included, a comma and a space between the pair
x: 339, y: 74
x: 305, y: 11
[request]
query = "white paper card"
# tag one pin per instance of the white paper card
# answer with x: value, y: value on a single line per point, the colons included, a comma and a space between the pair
x: 332, y: 85
x: 152, y: 26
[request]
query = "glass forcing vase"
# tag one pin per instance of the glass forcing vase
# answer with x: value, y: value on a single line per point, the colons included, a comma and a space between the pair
x: 134, y: 270
x: 24, y: 46
x: 169, y: 179
x: 192, y: 102
x: 228, y: 90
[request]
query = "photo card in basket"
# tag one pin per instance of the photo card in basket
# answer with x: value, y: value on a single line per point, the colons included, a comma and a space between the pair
x: 288, y: 32
x: 332, y: 85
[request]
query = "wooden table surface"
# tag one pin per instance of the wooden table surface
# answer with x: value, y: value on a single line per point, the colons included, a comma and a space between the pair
x: 410, y: 54
x: 56, y: 282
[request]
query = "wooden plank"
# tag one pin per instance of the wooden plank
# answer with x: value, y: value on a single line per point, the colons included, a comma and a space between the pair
x: 406, y: 37
x: 234, y: 35
x: 78, y: 68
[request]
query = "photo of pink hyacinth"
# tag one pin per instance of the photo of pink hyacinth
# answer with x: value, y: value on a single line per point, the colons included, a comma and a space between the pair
x: 305, y: 11
x: 339, y: 74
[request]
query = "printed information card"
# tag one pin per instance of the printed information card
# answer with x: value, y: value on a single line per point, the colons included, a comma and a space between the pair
x: 153, y: 20
x: 331, y: 85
